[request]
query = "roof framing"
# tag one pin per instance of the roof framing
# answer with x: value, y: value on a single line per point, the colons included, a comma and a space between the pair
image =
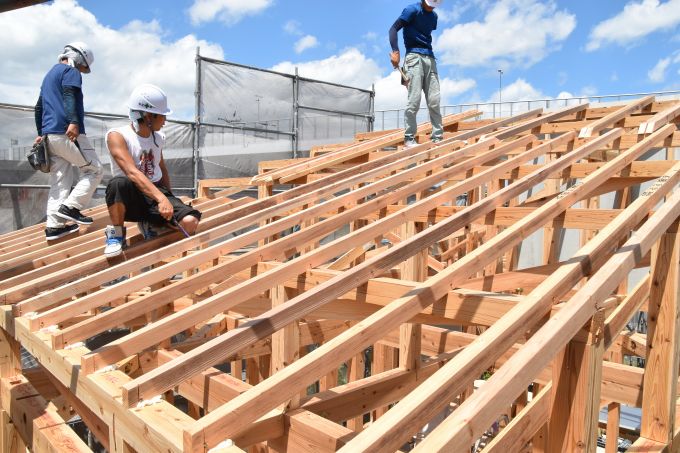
x: 304, y: 320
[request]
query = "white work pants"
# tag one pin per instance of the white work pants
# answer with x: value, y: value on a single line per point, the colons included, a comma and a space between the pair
x: 64, y: 158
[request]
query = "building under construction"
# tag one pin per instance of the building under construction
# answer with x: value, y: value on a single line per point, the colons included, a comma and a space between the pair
x: 371, y: 299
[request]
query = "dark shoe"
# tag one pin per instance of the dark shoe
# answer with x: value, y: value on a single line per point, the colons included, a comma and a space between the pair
x: 73, y: 214
x: 55, y: 233
x: 151, y: 231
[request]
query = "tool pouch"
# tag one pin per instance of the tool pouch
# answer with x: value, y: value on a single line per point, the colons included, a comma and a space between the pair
x: 38, y: 157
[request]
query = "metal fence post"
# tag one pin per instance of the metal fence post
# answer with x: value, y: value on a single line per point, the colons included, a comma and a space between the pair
x: 197, y: 120
x: 296, y: 114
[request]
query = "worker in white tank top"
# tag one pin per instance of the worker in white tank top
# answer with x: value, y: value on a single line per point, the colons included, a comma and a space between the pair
x: 140, y: 189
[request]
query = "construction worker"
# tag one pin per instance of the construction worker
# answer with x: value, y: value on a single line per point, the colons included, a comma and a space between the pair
x: 59, y: 115
x: 140, y: 189
x: 418, y: 21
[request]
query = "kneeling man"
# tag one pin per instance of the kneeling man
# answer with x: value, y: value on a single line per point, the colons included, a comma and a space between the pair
x: 140, y: 188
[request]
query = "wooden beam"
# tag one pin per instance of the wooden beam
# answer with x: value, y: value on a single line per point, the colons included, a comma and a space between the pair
x: 310, y: 433
x: 661, y: 118
x: 522, y: 428
x: 614, y: 117
x: 38, y: 423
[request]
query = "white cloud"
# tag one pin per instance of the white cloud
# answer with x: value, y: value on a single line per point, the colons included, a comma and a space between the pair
x: 519, y: 90
x: 638, y: 19
x: 513, y: 32
x: 658, y: 72
x: 370, y: 36
x: 292, y: 27
x: 228, y: 12
x: 451, y: 88
x: 124, y: 57
x: 351, y: 67
x: 306, y: 42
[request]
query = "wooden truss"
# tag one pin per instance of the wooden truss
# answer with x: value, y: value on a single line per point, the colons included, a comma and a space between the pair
x: 372, y: 298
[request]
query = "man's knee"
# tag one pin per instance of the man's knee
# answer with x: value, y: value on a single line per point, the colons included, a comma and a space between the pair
x: 189, y: 223
x: 117, y: 189
x: 96, y: 169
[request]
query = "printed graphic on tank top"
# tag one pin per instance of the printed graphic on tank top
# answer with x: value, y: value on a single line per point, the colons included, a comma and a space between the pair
x: 146, y: 163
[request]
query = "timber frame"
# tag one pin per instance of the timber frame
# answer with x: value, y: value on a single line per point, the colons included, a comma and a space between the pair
x: 367, y: 291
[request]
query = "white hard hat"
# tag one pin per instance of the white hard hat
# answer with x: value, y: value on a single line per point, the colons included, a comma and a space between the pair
x: 433, y: 3
x: 149, y: 98
x: 84, y: 51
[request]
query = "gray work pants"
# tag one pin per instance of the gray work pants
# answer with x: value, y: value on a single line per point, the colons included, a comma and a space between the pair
x: 422, y: 72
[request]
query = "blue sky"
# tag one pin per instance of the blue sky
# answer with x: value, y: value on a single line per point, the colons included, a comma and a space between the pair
x: 547, y: 49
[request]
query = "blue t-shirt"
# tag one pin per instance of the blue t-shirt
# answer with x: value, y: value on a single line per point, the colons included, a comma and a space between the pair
x: 418, y: 29
x: 54, y: 119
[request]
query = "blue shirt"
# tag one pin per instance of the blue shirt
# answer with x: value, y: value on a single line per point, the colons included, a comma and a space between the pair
x: 54, y: 118
x: 418, y: 29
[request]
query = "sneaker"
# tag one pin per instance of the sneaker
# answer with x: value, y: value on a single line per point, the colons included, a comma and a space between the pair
x: 150, y: 231
x: 55, y: 233
x: 436, y: 140
x: 73, y: 214
x: 115, y: 240
x: 410, y: 143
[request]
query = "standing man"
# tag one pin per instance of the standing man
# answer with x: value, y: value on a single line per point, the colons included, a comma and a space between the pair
x: 140, y: 188
x: 59, y: 115
x: 418, y: 21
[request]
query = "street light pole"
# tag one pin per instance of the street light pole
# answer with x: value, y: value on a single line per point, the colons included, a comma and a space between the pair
x: 500, y: 87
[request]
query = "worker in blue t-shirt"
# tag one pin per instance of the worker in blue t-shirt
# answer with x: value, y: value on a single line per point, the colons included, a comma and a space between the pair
x: 419, y: 21
x: 60, y: 116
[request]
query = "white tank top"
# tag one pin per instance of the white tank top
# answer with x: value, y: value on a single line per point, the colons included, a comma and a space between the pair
x: 145, y: 154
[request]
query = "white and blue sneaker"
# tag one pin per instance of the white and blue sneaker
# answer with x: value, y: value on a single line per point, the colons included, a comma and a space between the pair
x: 115, y: 240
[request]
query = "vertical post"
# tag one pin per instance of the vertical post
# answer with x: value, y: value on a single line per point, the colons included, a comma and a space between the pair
x: 414, y: 269
x: 197, y: 120
x: 296, y: 114
x: 285, y: 344
x: 371, y: 119
x: 577, y: 378
x: 10, y: 365
x: 659, y: 390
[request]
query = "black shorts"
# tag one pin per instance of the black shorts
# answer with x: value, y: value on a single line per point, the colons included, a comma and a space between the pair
x: 139, y: 207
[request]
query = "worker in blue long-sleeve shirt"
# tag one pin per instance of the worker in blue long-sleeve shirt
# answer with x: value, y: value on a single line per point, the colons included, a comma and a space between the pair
x: 59, y: 116
x: 418, y: 22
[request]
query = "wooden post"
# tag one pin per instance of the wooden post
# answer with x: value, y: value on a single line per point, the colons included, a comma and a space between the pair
x: 384, y: 358
x: 661, y: 373
x: 577, y: 377
x: 10, y: 365
x: 414, y: 269
x: 285, y: 343
x: 355, y: 372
